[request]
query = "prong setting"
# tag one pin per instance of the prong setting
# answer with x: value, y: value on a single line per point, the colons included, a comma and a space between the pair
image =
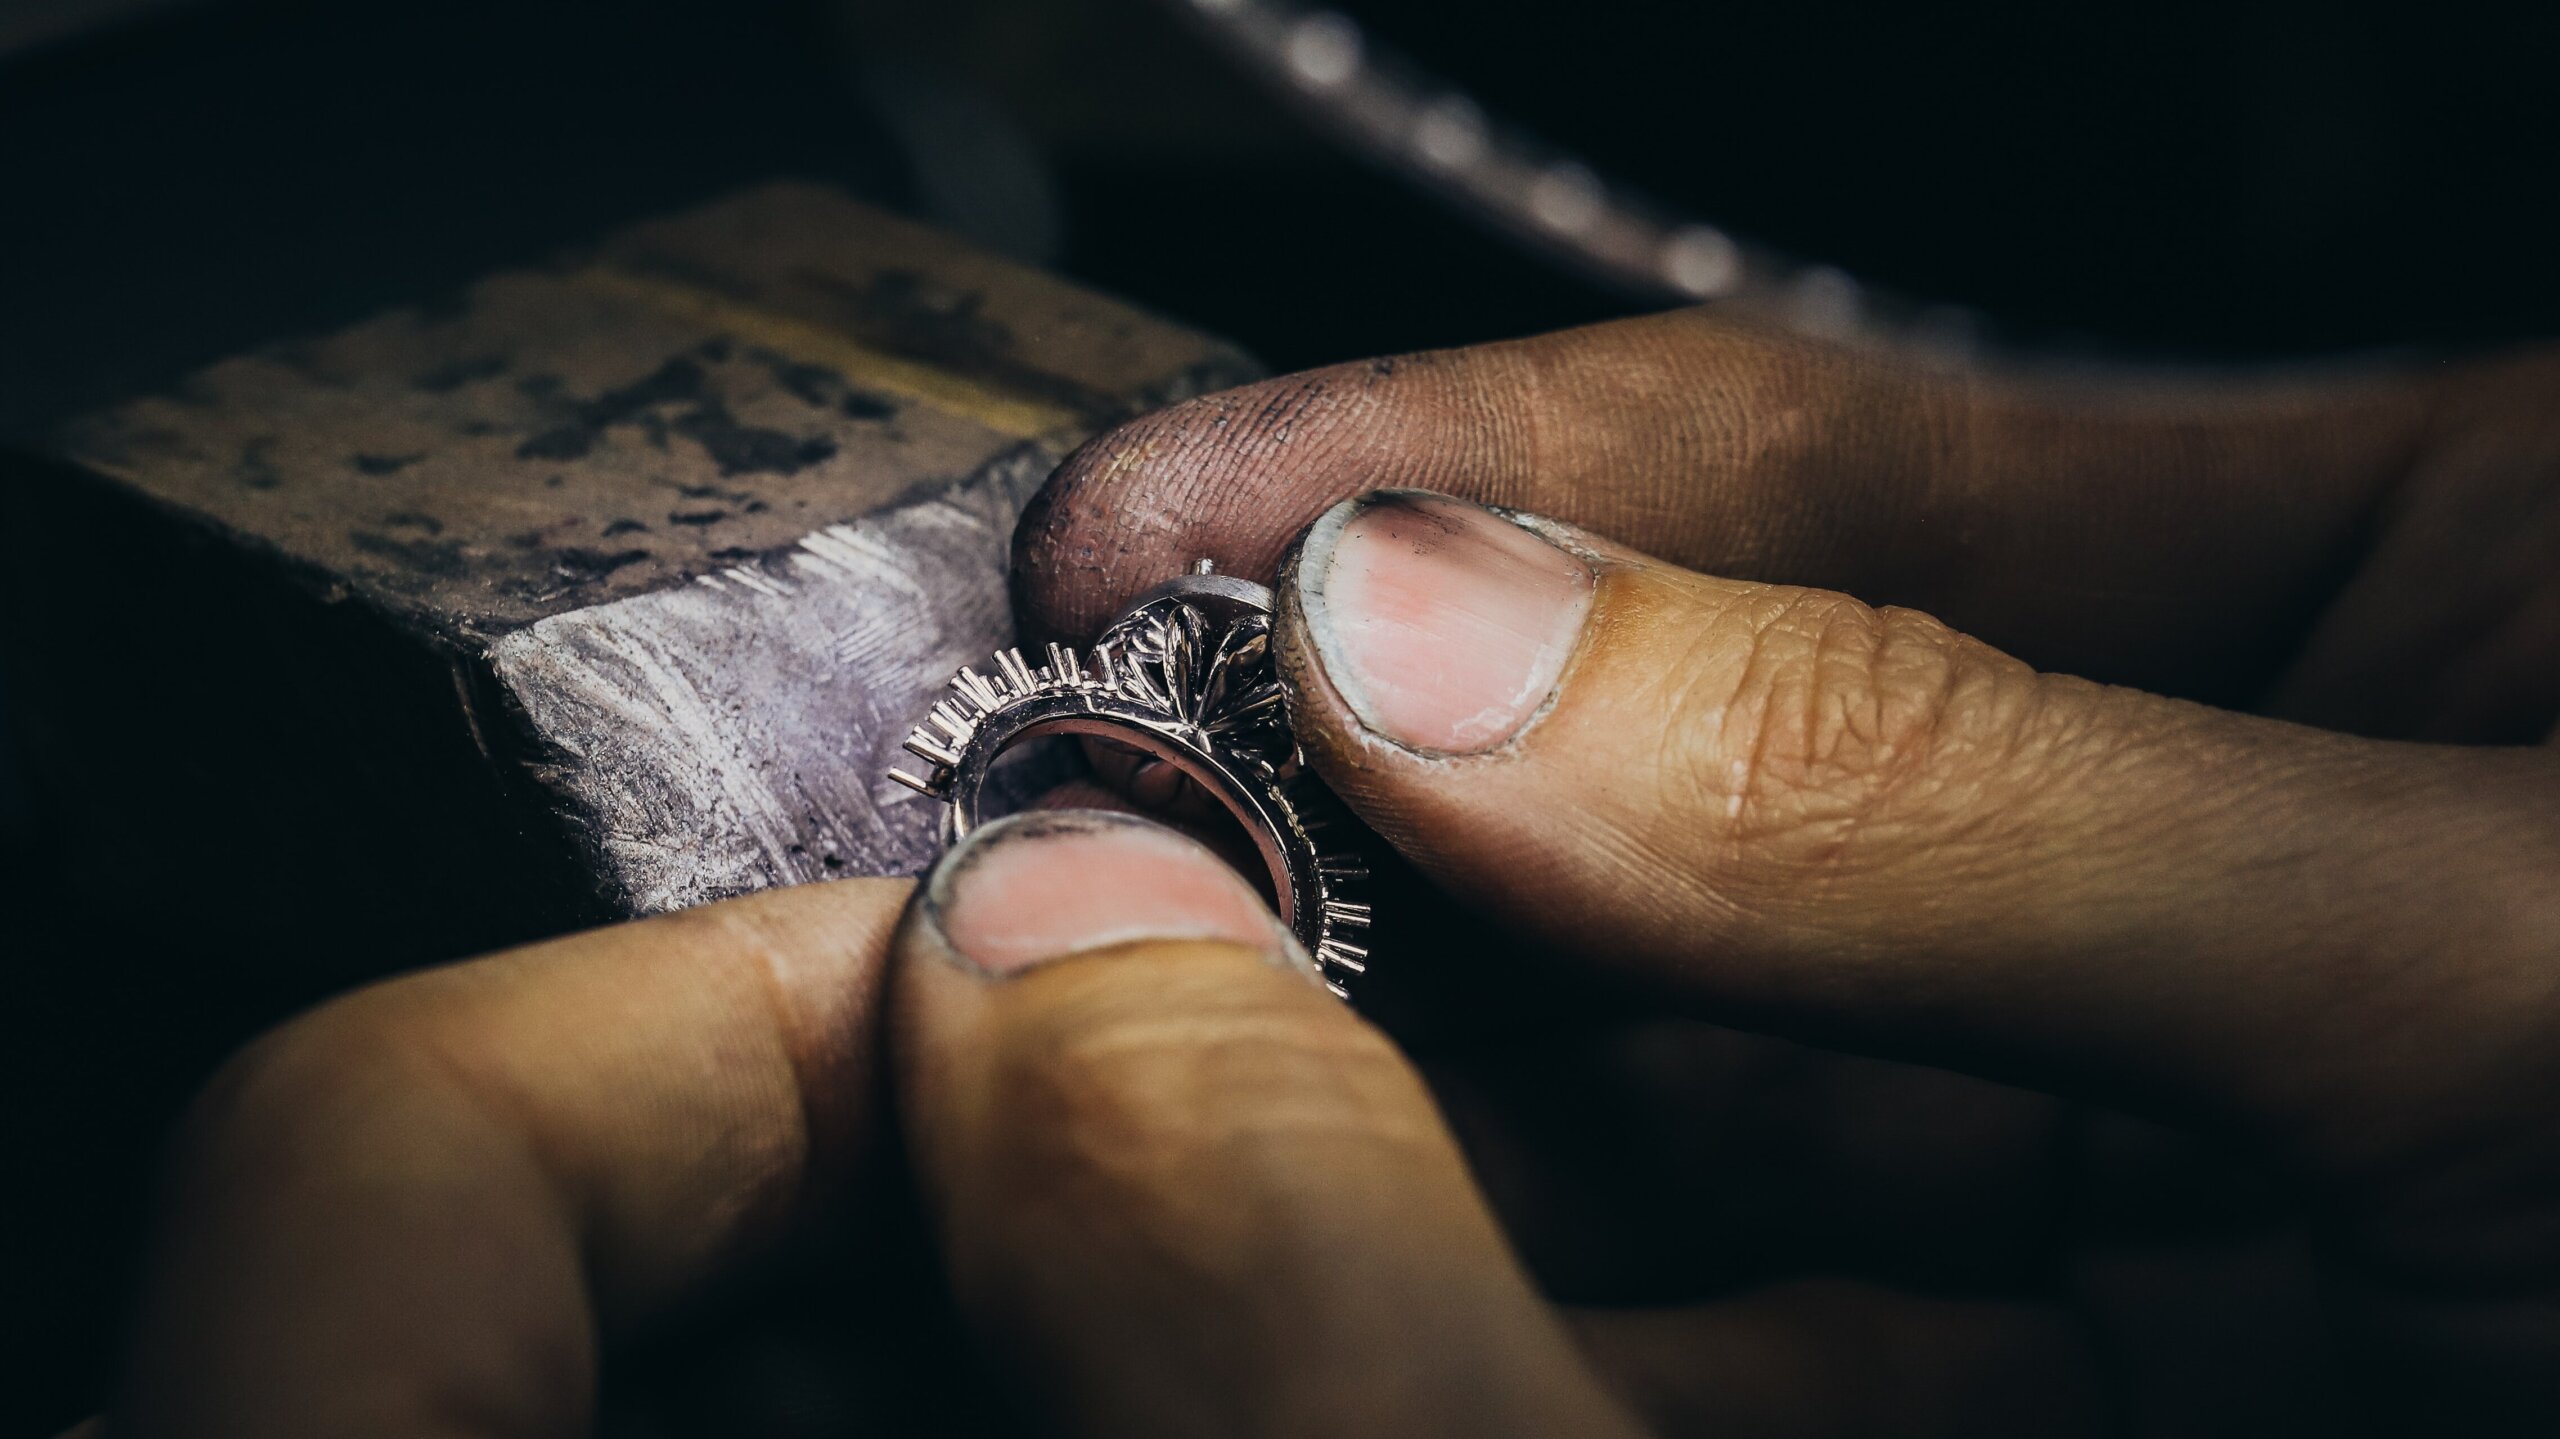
x: 1185, y: 673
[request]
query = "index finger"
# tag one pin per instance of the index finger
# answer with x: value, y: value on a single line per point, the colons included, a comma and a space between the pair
x: 411, y: 1211
x: 2171, y: 535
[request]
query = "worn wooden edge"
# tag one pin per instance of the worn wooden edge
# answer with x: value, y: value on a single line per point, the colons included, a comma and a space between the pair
x: 689, y: 394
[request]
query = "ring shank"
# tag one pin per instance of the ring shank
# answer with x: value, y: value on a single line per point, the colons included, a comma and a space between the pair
x: 1255, y: 802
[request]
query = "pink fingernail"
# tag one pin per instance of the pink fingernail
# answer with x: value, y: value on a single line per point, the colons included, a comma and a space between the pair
x: 1442, y: 624
x: 1044, y: 885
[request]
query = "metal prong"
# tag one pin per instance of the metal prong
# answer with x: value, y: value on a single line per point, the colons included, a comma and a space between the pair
x: 1246, y: 713
x: 923, y: 747
x: 1187, y: 674
x: 980, y: 690
x: 1017, y: 671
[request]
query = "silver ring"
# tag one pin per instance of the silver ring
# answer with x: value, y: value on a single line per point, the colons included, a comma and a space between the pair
x: 1184, y: 675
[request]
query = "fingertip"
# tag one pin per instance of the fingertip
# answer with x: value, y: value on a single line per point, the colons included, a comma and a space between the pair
x: 1126, y: 509
x: 1234, y: 477
x: 1035, y: 888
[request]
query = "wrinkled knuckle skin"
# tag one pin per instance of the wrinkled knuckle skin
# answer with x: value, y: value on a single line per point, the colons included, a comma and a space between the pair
x: 1834, y: 721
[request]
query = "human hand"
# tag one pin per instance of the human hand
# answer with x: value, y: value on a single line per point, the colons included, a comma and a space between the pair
x: 2327, y: 961
x: 1179, y: 1190
x: 1179, y: 1187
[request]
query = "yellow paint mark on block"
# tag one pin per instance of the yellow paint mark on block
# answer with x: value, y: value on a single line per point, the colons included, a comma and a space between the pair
x: 1020, y: 416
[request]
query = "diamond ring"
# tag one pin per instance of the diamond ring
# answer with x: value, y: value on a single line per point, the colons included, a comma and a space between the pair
x: 1184, y: 675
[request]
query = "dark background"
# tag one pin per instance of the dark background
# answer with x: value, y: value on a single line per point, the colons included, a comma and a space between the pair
x: 177, y: 182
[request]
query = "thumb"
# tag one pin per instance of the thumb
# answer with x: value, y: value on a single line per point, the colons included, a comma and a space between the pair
x: 1179, y: 1188
x: 1861, y: 827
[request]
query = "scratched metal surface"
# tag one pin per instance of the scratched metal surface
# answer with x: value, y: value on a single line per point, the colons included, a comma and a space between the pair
x: 731, y: 734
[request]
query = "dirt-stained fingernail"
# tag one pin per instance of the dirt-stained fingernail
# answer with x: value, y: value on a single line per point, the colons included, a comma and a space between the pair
x: 1444, y: 625
x: 1044, y: 885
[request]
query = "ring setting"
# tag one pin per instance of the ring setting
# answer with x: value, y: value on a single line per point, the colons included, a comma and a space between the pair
x: 1185, y: 676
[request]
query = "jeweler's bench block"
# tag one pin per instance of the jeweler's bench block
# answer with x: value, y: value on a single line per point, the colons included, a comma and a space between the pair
x: 599, y: 589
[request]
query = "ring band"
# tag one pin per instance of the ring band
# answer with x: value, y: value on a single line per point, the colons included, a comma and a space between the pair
x: 1184, y: 675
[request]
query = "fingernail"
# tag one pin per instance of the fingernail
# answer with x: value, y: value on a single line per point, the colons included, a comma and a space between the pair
x: 1442, y: 624
x: 1044, y: 885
